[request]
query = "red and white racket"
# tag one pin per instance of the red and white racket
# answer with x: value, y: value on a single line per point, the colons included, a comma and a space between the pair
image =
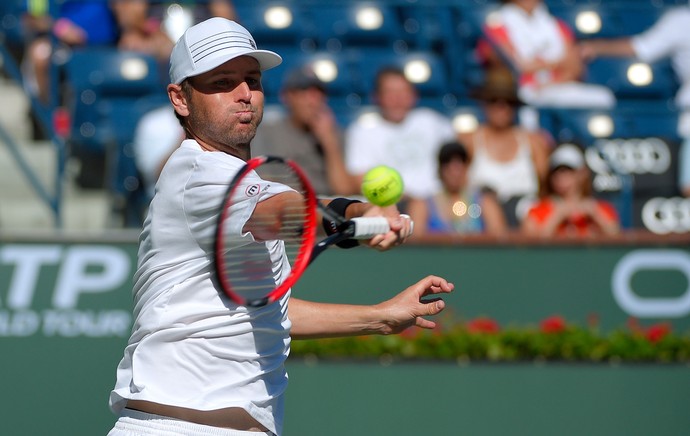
x: 249, y: 250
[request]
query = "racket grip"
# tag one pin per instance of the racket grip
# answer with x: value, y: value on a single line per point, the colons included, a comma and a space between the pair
x: 368, y: 227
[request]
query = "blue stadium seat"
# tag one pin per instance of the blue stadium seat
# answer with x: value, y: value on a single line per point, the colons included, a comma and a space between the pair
x: 109, y: 71
x: 644, y: 119
x: 613, y: 73
x: 369, y: 62
x: 430, y: 27
x: 96, y: 76
x: 274, y: 25
x: 355, y: 24
x: 575, y: 125
x: 11, y: 28
x: 110, y: 92
x: 617, y: 19
x: 630, y: 119
x: 324, y: 63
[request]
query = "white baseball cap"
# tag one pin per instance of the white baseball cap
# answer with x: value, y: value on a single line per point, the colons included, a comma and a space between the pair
x: 210, y: 44
x: 567, y: 155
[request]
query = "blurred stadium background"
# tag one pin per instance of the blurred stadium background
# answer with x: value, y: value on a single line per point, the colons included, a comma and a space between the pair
x: 69, y: 193
x: 87, y: 128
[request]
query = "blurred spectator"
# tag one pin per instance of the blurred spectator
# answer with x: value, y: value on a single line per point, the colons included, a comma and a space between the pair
x: 567, y: 207
x: 176, y: 17
x: 665, y: 39
x: 541, y: 48
x: 456, y: 208
x: 153, y: 27
x: 307, y: 132
x: 140, y: 31
x: 506, y: 158
x: 157, y: 135
x: 78, y: 23
x: 399, y: 135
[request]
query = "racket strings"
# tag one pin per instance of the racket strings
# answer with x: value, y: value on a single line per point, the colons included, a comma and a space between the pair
x: 256, y: 269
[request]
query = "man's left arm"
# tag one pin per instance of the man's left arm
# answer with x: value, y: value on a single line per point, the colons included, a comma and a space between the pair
x: 408, y: 308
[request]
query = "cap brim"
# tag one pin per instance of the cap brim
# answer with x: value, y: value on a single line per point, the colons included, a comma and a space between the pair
x: 267, y: 60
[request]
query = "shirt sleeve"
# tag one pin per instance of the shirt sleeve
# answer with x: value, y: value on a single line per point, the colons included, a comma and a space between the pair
x: 660, y: 40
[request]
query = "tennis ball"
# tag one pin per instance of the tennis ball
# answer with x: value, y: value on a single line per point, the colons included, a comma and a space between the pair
x: 382, y: 186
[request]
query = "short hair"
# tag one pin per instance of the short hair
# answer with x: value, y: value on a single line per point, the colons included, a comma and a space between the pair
x: 452, y: 150
x: 388, y: 70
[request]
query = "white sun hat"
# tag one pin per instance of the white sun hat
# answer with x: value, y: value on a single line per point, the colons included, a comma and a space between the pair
x: 210, y: 44
x: 567, y: 155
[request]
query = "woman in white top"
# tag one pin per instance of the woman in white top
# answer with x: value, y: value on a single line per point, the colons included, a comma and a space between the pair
x: 506, y: 158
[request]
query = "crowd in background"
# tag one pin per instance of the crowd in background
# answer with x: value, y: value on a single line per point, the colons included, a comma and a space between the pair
x: 505, y: 176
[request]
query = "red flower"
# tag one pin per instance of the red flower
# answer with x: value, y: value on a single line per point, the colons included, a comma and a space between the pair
x: 553, y: 324
x: 657, y: 332
x: 483, y: 325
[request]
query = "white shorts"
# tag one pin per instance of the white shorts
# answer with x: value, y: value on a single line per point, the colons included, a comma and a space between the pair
x: 135, y: 423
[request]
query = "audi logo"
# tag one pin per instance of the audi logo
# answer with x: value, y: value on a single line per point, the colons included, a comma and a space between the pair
x: 667, y: 215
x: 629, y: 156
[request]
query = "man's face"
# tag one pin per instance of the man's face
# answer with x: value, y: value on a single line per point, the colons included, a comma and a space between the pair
x: 396, y: 97
x: 304, y: 104
x: 226, y: 104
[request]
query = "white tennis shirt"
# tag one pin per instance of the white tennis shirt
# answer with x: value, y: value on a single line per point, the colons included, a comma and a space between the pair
x: 191, y: 346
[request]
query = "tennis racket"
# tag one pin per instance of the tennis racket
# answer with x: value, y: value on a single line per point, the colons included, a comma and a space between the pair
x: 249, y: 261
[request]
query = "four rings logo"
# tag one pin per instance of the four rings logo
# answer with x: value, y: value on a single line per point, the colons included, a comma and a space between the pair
x: 629, y: 156
x: 667, y: 215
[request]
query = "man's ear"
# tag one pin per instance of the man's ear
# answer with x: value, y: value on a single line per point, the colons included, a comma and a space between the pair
x: 178, y: 99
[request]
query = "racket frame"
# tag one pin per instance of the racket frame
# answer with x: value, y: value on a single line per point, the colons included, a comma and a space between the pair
x: 306, y: 251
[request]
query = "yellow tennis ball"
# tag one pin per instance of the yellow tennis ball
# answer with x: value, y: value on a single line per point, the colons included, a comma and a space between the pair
x: 382, y: 186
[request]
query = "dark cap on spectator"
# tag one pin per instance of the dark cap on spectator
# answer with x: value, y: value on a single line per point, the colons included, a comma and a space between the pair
x: 499, y: 84
x: 303, y: 78
x: 450, y: 151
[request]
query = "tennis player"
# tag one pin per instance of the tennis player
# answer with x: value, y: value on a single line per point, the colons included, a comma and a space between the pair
x: 196, y: 363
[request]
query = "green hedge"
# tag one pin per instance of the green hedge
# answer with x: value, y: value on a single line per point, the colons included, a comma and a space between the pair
x: 554, y: 339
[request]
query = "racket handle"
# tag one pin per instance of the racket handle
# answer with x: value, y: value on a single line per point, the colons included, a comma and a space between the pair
x: 368, y: 227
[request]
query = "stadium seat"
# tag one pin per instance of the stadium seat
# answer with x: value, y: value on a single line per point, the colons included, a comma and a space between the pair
x: 427, y: 71
x: 95, y: 76
x: 11, y: 29
x: 643, y: 119
x: 619, y: 74
x: 110, y: 91
x: 338, y: 26
x: 430, y: 26
x: 276, y: 24
x: 582, y: 126
x: 333, y: 68
x: 607, y: 19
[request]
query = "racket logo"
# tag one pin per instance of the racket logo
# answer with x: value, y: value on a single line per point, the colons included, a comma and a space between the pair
x: 252, y: 190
